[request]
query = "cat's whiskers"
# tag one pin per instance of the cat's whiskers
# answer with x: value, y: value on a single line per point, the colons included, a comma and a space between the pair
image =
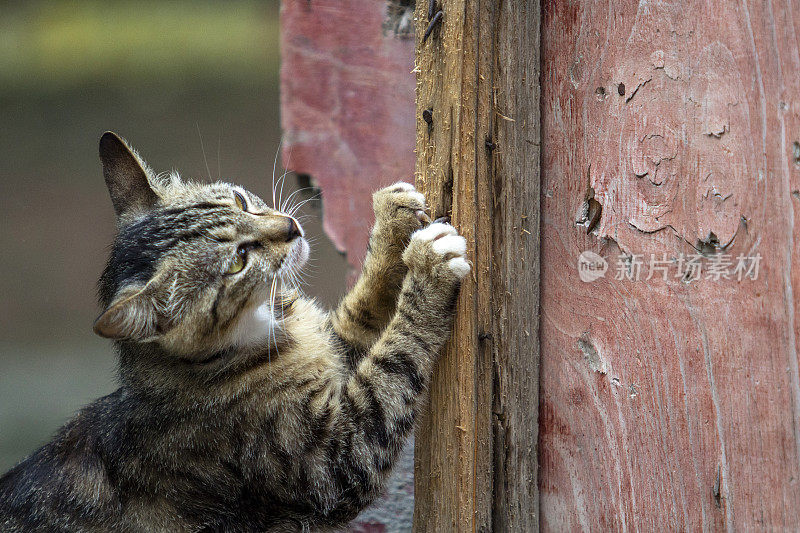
x: 304, y: 218
x: 288, y: 198
x: 274, y: 166
x: 296, y: 278
x: 295, y: 208
x: 283, y: 181
x: 272, y: 334
x: 203, y: 149
x: 283, y: 308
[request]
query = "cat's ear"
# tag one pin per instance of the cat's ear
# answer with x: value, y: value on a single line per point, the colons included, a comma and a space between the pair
x: 125, y: 177
x: 132, y: 317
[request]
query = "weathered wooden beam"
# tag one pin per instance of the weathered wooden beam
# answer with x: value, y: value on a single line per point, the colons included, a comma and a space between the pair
x: 478, y: 162
x: 670, y: 399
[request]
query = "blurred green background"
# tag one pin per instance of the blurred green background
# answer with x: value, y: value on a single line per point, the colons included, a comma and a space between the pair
x: 162, y: 75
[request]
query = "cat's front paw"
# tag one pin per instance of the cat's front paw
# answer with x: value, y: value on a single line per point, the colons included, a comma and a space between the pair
x: 437, y: 251
x: 399, y: 210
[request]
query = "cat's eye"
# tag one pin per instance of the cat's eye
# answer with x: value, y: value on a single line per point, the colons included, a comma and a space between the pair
x: 241, y: 203
x: 238, y: 262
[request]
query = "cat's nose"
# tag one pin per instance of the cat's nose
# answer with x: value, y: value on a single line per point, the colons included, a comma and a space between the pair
x: 274, y: 228
x: 293, y: 231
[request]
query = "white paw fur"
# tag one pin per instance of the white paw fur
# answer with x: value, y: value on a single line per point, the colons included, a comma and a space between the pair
x: 403, y: 185
x: 450, y: 245
x: 419, y: 197
x: 445, y: 242
x: 459, y: 266
x: 434, y: 231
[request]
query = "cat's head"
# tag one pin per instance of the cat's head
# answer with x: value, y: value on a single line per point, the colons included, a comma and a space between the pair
x: 195, y: 268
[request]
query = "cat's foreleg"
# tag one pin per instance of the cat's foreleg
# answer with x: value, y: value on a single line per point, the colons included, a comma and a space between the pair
x: 381, y: 399
x: 367, y: 308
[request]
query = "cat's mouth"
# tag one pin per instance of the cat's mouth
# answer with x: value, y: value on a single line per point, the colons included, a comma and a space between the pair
x: 294, y: 258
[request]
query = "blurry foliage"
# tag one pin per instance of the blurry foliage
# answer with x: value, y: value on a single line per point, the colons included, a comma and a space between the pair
x: 51, y: 46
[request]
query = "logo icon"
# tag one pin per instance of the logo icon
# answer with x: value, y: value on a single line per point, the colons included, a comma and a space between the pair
x: 591, y: 266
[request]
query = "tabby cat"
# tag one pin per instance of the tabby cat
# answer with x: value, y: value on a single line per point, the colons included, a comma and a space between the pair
x: 242, y: 406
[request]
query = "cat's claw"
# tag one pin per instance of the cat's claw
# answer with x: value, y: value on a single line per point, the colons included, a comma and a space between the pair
x: 400, y: 210
x: 402, y: 186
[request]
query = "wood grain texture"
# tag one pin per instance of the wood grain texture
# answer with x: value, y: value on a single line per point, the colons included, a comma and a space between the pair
x: 667, y: 403
x: 515, y: 267
x: 347, y: 103
x: 478, y: 162
x: 457, y: 424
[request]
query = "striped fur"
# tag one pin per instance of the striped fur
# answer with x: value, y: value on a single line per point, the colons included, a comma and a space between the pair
x: 213, y: 429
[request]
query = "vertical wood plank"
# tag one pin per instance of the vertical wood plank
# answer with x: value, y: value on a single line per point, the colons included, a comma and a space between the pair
x: 515, y: 269
x: 667, y: 401
x: 476, y: 447
x: 447, y: 442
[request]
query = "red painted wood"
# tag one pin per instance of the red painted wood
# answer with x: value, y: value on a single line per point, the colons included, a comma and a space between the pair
x: 666, y: 404
x: 347, y: 98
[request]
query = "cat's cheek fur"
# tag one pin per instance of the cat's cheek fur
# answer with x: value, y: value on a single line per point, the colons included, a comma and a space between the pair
x: 255, y: 326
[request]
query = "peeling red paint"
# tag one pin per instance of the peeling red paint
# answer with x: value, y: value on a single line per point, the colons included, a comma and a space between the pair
x: 694, y: 424
x: 347, y: 94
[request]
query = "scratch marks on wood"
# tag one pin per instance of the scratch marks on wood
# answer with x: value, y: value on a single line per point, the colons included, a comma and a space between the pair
x: 724, y: 468
x: 635, y: 90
